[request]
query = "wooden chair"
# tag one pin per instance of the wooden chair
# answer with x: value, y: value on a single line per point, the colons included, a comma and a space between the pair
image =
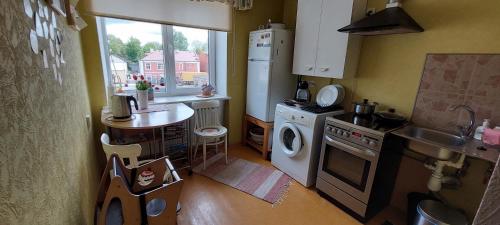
x: 207, y: 127
x: 130, y: 152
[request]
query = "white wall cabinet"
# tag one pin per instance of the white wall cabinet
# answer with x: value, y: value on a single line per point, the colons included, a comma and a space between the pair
x: 320, y: 50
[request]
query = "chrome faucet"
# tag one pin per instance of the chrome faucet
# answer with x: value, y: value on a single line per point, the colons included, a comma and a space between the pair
x: 466, y: 132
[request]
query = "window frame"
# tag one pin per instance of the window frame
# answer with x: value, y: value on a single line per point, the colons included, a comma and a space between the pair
x: 160, y: 68
x: 146, y: 65
x: 168, y: 60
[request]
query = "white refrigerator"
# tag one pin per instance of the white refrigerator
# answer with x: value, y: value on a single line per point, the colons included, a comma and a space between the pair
x: 269, y: 75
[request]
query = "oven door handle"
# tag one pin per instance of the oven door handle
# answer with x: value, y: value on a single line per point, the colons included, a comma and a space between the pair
x: 366, y: 153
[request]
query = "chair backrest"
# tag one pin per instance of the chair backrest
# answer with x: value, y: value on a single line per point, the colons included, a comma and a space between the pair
x: 206, y: 113
x: 130, y: 152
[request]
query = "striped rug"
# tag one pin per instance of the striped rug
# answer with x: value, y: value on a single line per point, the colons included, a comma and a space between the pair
x: 263, y: 182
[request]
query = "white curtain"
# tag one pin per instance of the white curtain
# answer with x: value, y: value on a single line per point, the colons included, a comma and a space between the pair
x: 237, y: 4
x: 198, y: 14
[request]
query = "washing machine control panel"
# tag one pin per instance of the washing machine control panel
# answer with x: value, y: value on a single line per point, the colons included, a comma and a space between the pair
x: 296, y: 117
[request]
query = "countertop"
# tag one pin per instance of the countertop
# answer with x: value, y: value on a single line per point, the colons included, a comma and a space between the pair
x: 472, y: 147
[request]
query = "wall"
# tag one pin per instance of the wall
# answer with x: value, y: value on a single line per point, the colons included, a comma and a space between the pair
x: 391, y: 66
x: 95, y: 80
x: 457, y: 79
x: 47, y: 156
x: 395, y: 63
x: 489, y: 211
x: 244, y: 22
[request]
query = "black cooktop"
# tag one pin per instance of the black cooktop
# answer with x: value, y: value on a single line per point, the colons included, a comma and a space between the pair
x: 312, y: 107
x: 318, y: 109
x: 369, y: 121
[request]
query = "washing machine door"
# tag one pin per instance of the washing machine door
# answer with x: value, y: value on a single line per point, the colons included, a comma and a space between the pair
x: 290, y: 139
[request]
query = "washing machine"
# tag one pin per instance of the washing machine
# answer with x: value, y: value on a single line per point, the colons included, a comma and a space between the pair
x: 297, y: 139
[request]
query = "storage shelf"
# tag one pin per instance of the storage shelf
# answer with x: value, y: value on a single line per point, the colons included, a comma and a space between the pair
x: 249, y: 122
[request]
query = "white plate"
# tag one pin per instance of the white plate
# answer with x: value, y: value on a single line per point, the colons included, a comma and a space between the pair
x: 330, y: 95
x: 205, y: 96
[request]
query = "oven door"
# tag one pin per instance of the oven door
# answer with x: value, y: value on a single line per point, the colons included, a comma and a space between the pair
x: 348, y: 168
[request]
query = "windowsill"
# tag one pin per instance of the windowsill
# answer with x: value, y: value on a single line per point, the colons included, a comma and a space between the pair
x: 185, y: 98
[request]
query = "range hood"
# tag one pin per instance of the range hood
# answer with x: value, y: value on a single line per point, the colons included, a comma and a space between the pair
x: 392, y: 20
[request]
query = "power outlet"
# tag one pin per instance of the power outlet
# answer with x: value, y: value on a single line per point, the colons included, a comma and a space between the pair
x: 88, y: 121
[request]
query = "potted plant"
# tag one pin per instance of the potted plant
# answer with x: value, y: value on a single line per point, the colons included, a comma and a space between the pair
x: 142, y: 87
x: 207, y: 90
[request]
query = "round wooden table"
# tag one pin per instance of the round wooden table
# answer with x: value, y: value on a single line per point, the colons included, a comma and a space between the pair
x: 156, y: 116
x: 145, y: 119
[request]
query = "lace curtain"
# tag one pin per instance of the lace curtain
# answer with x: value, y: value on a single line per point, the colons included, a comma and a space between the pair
x: 237, y: 4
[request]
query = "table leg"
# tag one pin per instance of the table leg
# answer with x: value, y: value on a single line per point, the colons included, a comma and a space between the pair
x: 265, y: 144
x: 190, y: 159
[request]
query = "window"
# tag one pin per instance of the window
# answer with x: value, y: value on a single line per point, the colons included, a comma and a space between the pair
x: 135, y: 51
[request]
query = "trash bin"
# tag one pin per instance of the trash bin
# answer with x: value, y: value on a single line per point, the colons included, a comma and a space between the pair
x: 413, y: 199
x: 430, y: 212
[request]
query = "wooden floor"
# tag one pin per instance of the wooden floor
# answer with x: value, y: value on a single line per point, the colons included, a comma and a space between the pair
x: 205, y: 201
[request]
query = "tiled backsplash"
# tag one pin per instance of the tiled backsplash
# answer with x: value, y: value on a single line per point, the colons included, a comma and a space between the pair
x: 470, y: 79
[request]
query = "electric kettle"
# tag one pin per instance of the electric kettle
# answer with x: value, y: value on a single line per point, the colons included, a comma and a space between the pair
x: 120, y: 106
x: 303, y: 94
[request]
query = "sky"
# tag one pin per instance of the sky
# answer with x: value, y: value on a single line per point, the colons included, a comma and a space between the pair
x: 148, y: 32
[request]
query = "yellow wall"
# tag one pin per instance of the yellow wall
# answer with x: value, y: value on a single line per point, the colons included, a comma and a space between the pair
x: 244, y: 22
x: 390, y: 66
x: 95, y: 79
x: 47, y: 155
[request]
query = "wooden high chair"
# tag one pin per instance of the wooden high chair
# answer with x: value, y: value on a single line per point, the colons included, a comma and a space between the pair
x: 137, y: 196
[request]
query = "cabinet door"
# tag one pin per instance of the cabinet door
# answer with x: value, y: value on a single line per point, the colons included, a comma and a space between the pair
x: 332, y: 45
x: 306, y: 36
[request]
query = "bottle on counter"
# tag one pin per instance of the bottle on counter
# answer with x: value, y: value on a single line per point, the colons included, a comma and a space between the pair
x: 480, y: 130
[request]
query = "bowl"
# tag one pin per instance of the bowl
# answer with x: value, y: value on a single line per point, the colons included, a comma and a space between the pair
x: 257, y: 135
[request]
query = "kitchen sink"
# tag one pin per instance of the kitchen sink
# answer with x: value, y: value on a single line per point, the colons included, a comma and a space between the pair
x: 433, y: 143
x: 435, y: 136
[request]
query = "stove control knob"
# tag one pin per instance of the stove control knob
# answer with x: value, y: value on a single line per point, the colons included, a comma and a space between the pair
x: 345, y: 134
x: 329, y: 129
x: 364, y: 141
x: 372, y: 143
x: 339, y: 132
